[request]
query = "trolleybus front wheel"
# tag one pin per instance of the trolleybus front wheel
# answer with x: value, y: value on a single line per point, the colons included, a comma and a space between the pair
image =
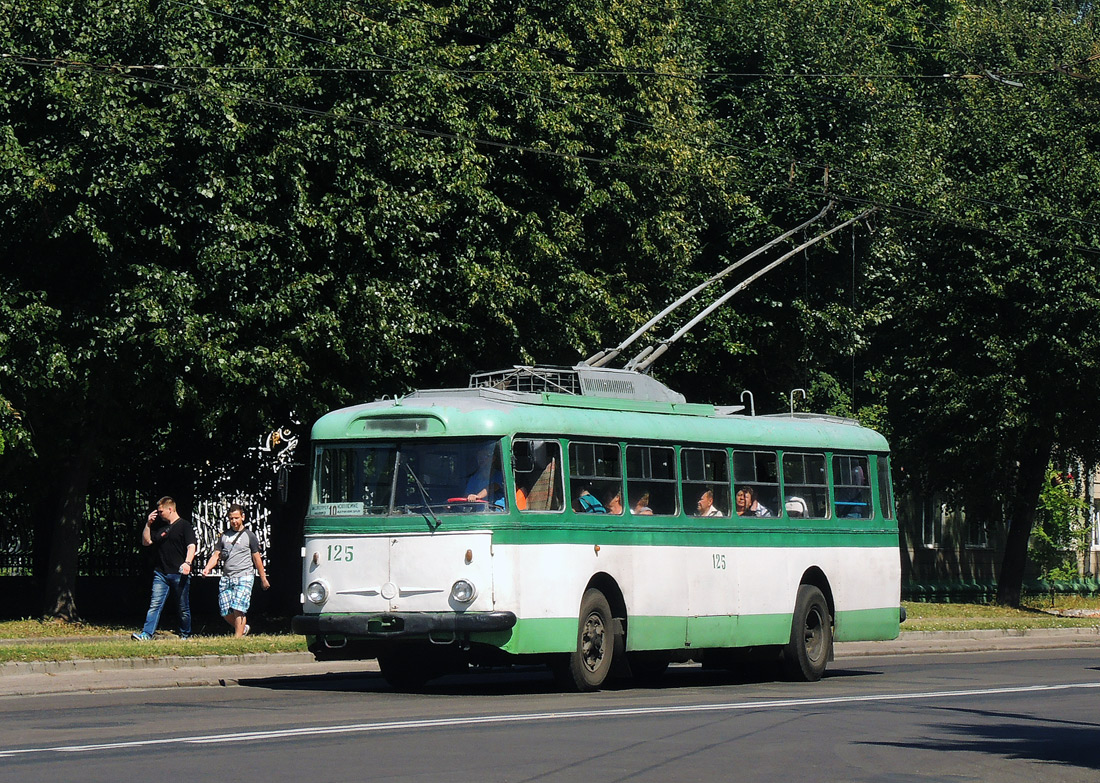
x: 811, y: 644
x: 587, y: 666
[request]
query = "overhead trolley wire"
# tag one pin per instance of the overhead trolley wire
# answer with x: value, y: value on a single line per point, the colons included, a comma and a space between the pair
x: 602, y: 358
x: 646, y: 357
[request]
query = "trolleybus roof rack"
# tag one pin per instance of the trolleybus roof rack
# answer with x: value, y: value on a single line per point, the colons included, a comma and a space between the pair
x: 582, y: 380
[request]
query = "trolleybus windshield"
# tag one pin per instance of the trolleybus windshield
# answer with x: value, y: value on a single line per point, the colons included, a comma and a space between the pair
x: 410, y: 477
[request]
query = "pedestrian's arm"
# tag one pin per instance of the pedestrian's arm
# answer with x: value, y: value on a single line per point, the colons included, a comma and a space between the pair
x: 189, y: 558
x: 147, y: 529
x: 213, y: 561
x: 259, y: 563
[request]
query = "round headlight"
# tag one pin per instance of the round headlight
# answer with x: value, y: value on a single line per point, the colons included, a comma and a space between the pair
x: 464, y: 592
x: 317, y: 592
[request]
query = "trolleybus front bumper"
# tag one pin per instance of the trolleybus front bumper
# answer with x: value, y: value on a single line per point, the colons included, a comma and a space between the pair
x: 401, y: 624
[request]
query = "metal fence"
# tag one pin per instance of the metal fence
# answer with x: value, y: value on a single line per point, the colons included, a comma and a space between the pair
x: 16, y: 537
x: 209, y: 519
x: 110, y: 542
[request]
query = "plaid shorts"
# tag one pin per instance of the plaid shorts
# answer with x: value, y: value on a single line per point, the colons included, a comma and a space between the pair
x: 234, y: 592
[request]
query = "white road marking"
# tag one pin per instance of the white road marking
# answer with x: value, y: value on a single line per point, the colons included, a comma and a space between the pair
x: 621, y: 712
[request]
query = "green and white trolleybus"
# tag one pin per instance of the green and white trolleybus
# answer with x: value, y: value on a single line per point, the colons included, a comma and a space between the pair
x: 591, y: 519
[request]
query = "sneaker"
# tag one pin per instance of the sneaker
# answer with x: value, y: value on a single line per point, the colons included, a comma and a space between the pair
x: 140, y: 636
x: 247, y: 628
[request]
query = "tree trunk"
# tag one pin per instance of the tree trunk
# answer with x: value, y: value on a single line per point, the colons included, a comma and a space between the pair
x: 59, y: 598
x: 1029, y: 481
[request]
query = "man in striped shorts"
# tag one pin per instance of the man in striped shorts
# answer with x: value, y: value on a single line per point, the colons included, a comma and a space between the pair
x: 239, y: 551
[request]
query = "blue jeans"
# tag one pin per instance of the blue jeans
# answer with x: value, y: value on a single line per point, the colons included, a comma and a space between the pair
x: 181, y: 586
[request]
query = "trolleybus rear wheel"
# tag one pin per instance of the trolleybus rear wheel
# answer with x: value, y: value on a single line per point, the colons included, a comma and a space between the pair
x: 807, y: 653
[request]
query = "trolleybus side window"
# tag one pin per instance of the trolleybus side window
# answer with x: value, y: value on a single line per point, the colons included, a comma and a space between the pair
x: 885, y: 497
x: 537, y: 468
x: 651, y: 480
x: 851, y: 487
x: 804, y: 479
x: 756, y: 477
x: 595, y: 478
x: 702, y: 471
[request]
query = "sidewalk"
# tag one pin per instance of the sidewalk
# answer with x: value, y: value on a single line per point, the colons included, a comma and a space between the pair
x: 26, y: 679
x: 107, y: 674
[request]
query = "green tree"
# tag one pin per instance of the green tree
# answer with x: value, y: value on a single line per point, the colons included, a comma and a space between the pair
x: 977, y: 308
x: 1061, y: 534
x: 213, y: 219
x: 992, y: 347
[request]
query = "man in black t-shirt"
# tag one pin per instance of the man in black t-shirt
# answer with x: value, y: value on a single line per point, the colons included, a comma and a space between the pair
x: 175, y: 545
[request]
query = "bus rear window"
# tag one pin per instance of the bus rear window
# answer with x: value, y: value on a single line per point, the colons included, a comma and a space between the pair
x: 885, y: 498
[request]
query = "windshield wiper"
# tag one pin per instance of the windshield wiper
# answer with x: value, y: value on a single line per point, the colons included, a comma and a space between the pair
x: 427, y: 501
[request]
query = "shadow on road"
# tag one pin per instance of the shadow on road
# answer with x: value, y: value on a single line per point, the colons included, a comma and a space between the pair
x: 525, y: 680
x: 1013, y: 736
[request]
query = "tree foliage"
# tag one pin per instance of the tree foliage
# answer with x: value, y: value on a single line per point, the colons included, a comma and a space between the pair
x: 220, y: 213
x: 1061, y: 535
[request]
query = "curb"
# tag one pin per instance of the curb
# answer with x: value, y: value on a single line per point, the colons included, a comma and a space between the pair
x: 985, y: 640
x: 15, y: 668
x: 997, y: 633
x: 32, y: 678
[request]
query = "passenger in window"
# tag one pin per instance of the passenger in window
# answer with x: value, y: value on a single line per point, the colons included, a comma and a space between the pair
x: 486, y: 483
x: 589, y: 504
x: 706, y: 506
x: 642, y: 506
x: 796, y: 507
x: 853, y: 502
x: 614, y: 503
x: 748, y: 505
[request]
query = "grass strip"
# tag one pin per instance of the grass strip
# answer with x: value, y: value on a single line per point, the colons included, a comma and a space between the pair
x: 124, y: 647
x: 38, y: 640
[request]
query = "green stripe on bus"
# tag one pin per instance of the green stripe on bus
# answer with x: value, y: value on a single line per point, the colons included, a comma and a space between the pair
x: 867, y: 625
x: 682, y: 537
x: 558, y: 634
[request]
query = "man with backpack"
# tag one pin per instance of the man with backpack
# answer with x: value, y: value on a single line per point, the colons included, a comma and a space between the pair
x: 239, y: 552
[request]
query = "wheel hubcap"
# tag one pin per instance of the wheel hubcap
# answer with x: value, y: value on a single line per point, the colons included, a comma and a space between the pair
x: 815, y: 634
x: 592, y: 639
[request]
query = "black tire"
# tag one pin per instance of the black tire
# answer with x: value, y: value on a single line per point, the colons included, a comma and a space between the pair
x: 811, y: 645
x: 588, y: 665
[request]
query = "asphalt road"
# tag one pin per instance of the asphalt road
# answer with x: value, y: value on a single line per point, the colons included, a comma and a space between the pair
x: 1013, y: 715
